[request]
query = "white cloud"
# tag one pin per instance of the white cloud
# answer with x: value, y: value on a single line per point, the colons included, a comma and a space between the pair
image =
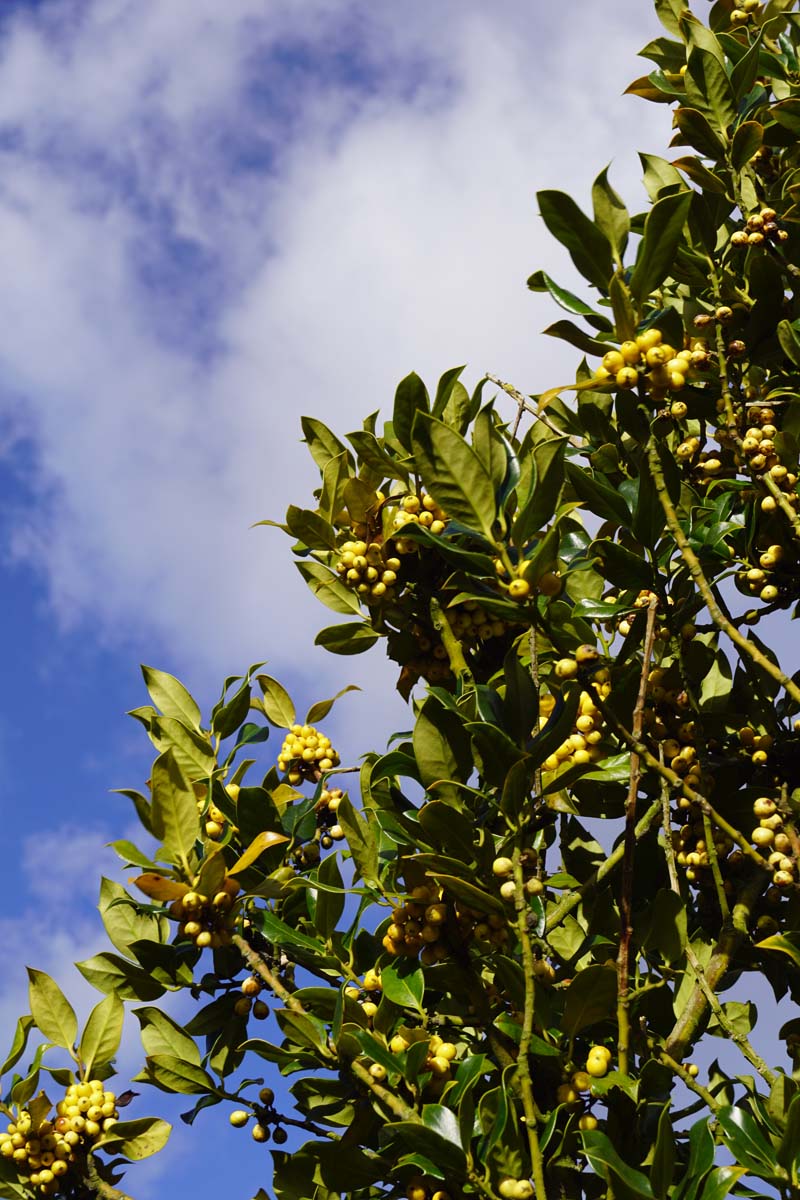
x: 387, y: 226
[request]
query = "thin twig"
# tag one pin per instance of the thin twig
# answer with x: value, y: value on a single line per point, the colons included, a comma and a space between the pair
x: 523, y: 405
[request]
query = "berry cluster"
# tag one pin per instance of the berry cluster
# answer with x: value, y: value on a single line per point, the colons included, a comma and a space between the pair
x: 328, y: 826
x: 206, y: 921
x: 745, y: 11
x: 502, y: 868
x: 582, y: 745
x: 470, y: 623
x: 776, y: 840
x: 215, y: 820
x: 305, y: 753
x: 44, y: 1155
x: 267, y: 1120
x: 773, y: 580
x: 761, y: 227
x: 426, y: 923
x: 251, y: 988
x: 419, y: 1188
x: 650, y: 360
x: 369, y: 571
x: 417, y: 510
x: 692, y: 851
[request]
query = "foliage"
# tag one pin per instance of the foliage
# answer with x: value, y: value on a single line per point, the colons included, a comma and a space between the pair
x: 470, y: 992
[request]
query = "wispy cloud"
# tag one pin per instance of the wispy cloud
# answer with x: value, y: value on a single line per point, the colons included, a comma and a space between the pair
x: 217, y: 218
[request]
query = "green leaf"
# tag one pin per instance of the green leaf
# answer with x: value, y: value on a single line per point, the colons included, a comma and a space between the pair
x: 228, y: 717
x: 278, y: 707
x: 320, y: 710
x: 604, y: 501
x: 51, y: 1011
x: 101, y: 1037
x: 328, y: 588
x: 708, y: 86
x: 588, y: 247
x: 171, y: 697
x: 110, y: 973
x: 192, y: 751
x: 310, y: 528
x: 547, y: 480
x: 744, y: 1139
x: 410, y: 398
x: 696, y: 131
x: 360, y: 840
x: 323, y: 444
x: 123, y: 921
x: 591, y: 997
x: 787, y: 1150
x: 161, y: 1035
x: 606, y: 1161
x: 789, y: 339
x: 720, y: 1181
x: 330, y: 904
x: 663, y: 232
x: 658, y: 175
x: 403, y: 983
x: 351, y: 638
x: 663, y: 1166
x: 174, y: 808
x: 454, y: 475
x: 610, y: 215
x: 441, y: 748
x: 172, y: 1074
x: 135, y: 1140
x: 20, y: 1040
x: 540, y: 281
x: 747, y: 140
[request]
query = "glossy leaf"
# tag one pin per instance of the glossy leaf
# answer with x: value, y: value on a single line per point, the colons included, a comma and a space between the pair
x: 352, y: 638
x: 588, y: 247
x: 174, y: 808
x: 261, y: 842
x: 278, y: 707
x: 454, y: 475
x: 663, y: 232
x: 607, y: 1163
x: 51, y: 1011
x: 404, y: 984
x: 171, y: 697
x: 136, y: 1140
x: 591, y: 997
x: 161, y: 1035
x: 610, y: 214
x: 101, y: 1038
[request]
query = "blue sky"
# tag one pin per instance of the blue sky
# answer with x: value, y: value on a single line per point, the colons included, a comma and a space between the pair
x: 215, y: 218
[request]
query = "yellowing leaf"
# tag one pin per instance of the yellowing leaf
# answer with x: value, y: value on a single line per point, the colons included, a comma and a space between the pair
x: 263, y: 841
x: 159, y: 888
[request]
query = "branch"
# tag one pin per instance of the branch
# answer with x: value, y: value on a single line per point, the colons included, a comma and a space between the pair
x: 523, y: 1059
x: 703, y: 586
x: 96, y: 1185
x: 732, y: 938
x: 629, y: 850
